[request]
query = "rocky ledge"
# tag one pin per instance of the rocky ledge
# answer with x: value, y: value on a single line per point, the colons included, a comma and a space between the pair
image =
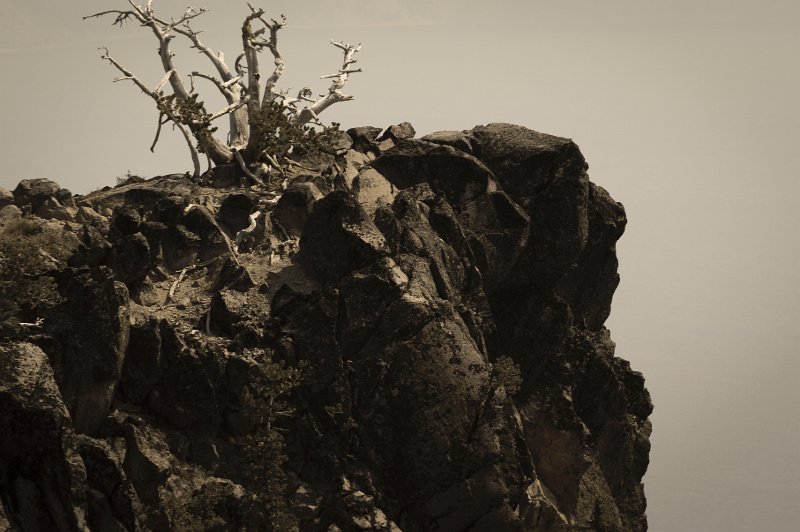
x: 402, y: 334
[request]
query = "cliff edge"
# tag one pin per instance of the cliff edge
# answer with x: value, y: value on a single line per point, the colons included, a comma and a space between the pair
x: 401, y: 334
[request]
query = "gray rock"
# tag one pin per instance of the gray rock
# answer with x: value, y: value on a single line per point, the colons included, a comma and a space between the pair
x: 91, y: 327
x: 34, y: 192
x: 44, y: 474
x: 461, y: 140
x: 398, y: 132
x: 6, y: 198
x: 294, y: 207
x: 364, y: 137
x: 234, y: 213
x: 459, y: 176
x: 340, y: 237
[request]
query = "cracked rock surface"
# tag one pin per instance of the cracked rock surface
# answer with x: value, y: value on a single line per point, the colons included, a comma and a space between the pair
x: 442, y: 300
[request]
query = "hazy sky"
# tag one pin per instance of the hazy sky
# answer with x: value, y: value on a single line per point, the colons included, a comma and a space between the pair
x: 687, y: 112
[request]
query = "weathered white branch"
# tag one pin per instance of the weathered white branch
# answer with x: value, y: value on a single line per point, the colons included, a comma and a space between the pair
x: 165, y: 110
x: 247, y: 231
x: 243, y: 165
x: 340, y: 79
x: 229, y: 109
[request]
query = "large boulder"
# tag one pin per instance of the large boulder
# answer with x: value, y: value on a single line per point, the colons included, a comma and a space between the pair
x: 6, y: 198
x: 458, y: 175
x: 340, y: 237
x: 294, y: 207
x: 42, y: 475
x: 35, y: 192
x: 234, y: 212
x: 89, y: 338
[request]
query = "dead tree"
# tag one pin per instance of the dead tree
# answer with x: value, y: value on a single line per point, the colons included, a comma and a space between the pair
x: 246, y: 99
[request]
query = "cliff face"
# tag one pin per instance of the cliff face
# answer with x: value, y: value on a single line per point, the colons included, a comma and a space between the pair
x: 427, y: 313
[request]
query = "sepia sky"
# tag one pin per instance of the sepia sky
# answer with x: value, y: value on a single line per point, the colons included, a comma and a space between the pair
x: 687, y: 111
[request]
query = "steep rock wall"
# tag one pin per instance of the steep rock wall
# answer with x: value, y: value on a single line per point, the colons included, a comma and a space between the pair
x: 444, y: 311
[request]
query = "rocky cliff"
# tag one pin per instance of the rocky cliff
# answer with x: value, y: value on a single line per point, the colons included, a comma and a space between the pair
x: 401, y: 334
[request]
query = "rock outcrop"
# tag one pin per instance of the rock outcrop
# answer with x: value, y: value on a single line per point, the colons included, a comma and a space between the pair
x: 408, y: 337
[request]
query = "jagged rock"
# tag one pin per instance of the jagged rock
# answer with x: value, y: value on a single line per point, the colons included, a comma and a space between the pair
x: 364, y: 137
x: 87, y: 215
x: 371, y: 190
x: 148, y: 460
x: 131, y: 258
x: 408, y: 293
x: 398, y: 132
x: 234, y: 213
x: 90, y: 329
x: 461, y: 140
x: 213, y: 241
x: 353, y: 162
x: 228, y: 273
x: 459, y: 176
x: 224, y: 176
x: 525, y: 161
x: 228, y: 309
x: 6, y: 197
x: 112, y: 504
x: 34, y: 192
x: 52, y: 209
x: 186, y: 391
x: 294, y: 207
x: 340, y: 142
x: 42, y: 476
x: 142, y: 367
x: 126, y: 221
x: 340, y: 237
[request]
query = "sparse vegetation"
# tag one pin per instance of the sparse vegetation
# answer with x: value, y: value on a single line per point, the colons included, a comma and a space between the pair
x: 264, y: 451
x: 265, y: 122
x: 26, y: 255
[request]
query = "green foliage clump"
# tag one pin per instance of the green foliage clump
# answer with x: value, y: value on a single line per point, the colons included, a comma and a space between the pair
x: 26, y: 255
x: 277, y: 133
x: 264, y: 452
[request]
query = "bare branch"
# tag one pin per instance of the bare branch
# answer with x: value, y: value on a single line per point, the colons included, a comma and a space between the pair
x: 161, y: 122
x: 340, y: 79
x: 229, y: 109
x: 121, y: 18
x: 163, y: 81
x: 163, y: 109
x: 238, y: 155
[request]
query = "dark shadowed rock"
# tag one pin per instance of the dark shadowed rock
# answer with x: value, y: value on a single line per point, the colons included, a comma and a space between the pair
x: 364, y: 137
x: 234, y: 213
x: 34, y: 192
x: 226, y: 175
x: 41, y: 473
x: 91, y: 332
x: 130, y: 258
x: 294, y: 207
x: 525, y: 161
x: 458, y: 175
x: 213, y: 241
x: 126, y: 221
x: 339, y: 237
x: 142, y: 366
x: 398, y: 132
x: 439, y: 356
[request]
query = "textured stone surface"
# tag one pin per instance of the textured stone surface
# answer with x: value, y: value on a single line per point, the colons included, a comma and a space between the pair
x: 443, y: 319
